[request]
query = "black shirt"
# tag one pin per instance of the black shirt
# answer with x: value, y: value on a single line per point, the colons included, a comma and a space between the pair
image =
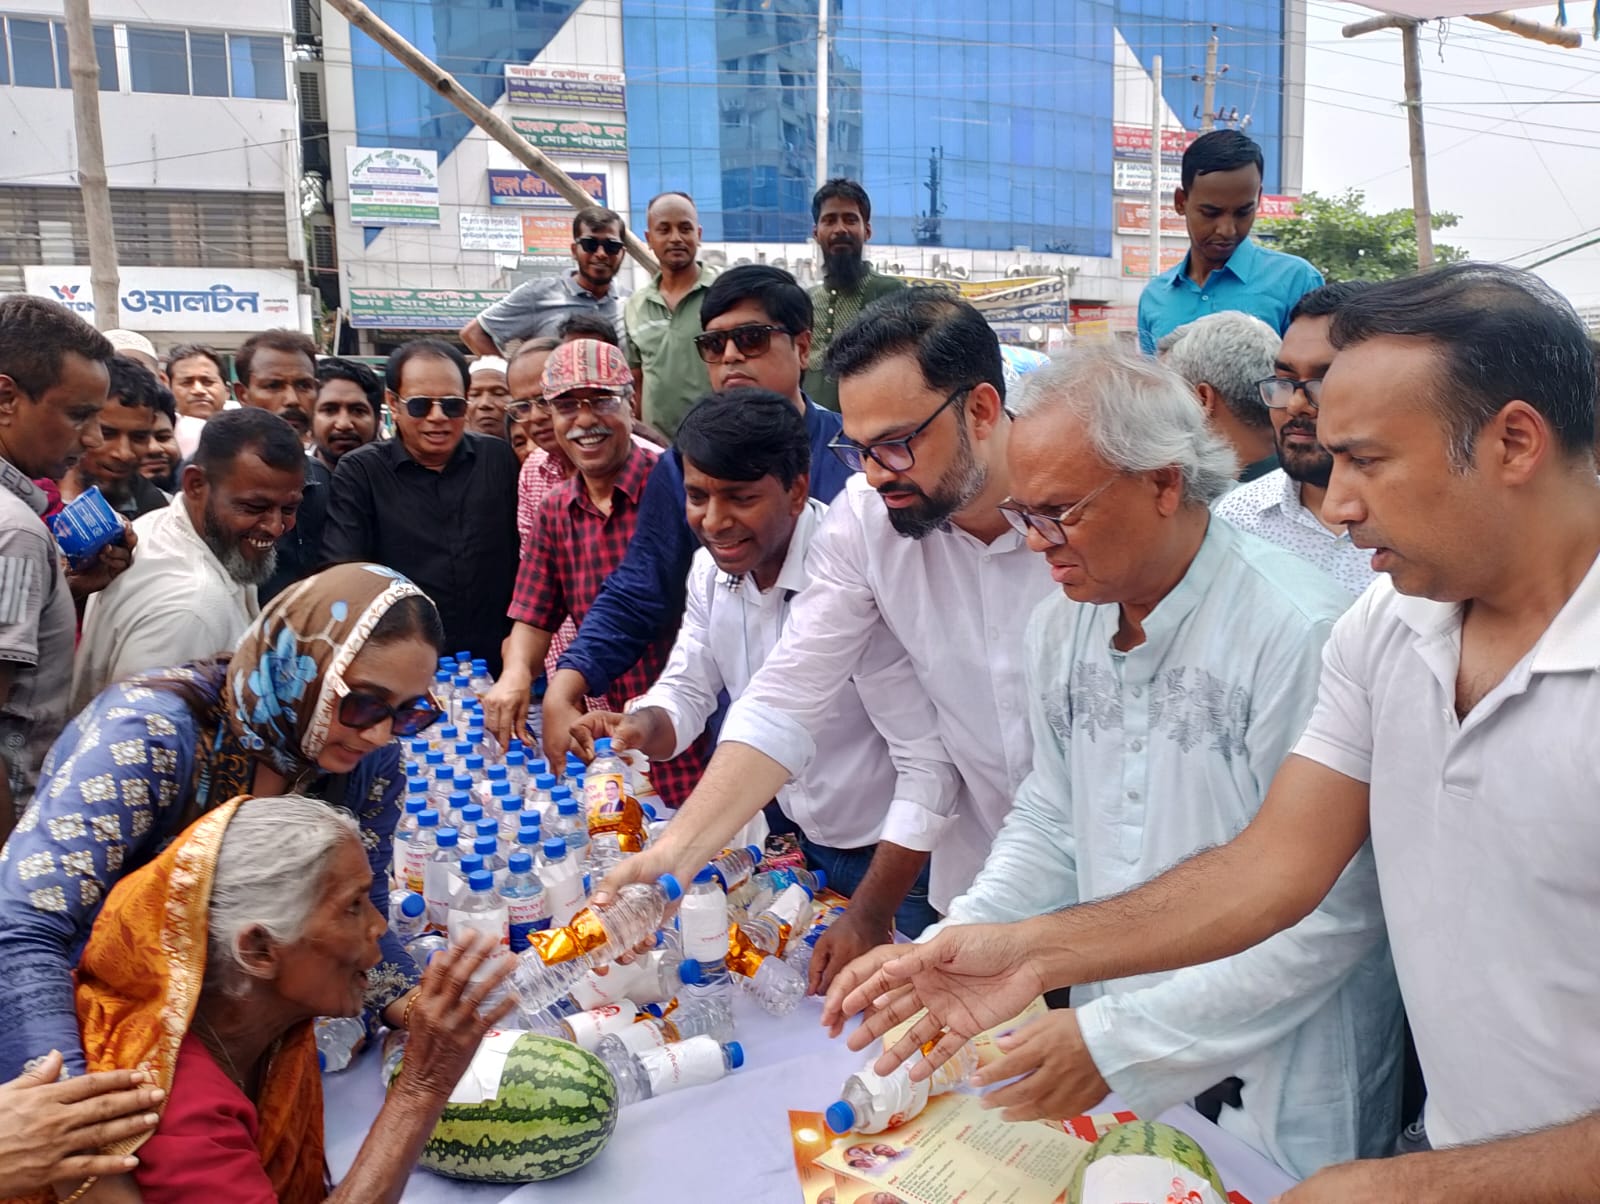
x: 453, y: 532
x: 144, y: 498
x: 299, y: 548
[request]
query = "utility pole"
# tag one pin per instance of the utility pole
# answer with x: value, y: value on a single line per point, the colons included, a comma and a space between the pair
x: 84, y: 69
x: 822, y: 92
x: 1208, y: 115
x: 497, y: 127
x: 1156, y: 110
x: 1411, y: 48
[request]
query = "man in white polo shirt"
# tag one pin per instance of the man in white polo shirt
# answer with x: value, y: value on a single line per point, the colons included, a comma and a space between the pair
x: 1454, y: 727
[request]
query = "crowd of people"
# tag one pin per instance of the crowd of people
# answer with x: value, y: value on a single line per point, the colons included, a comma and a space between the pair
x: 1229, y: 688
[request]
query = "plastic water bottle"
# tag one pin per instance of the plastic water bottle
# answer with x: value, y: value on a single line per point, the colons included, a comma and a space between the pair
x: 694, y: 1018
x: 473, y: 763
x: 734, y: 867
x: 871, y: 1102
x: 461, y: 690
x: 563, y: 878
x: 516, y: 767
x: 539, y: 797
x: 570, y: 825
x: 445, y: 736
x: 658, y: 975
x: 483, y: 790
x: 423, y: 948
x: 408, y: 916
x: 769, y: 980
x: 656, y: 1072
x: 440, y: 877
x: 605, y: 782
x: 339, y: 1039
x: 769, y: 931
x: 441, y: 782
x: 530, y: 839
x: 466, y: 813
x: 416, y: 803
x: 482, y: 681
x: 488, y: 848
x: 757, y: 894
x: 703, y: 920
x: 469, y: 865
x: 508, y: 807
x: 527, y: 909
x: 479, y: 909
x: 420, y: 850
x: 587, y: 1028
x: 800, y: 953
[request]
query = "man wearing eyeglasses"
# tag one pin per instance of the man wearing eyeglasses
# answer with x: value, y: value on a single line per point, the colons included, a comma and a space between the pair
x: 437, y: 502
x: 537, y: 308
x: 1285, y: 507
x: 663, y: 317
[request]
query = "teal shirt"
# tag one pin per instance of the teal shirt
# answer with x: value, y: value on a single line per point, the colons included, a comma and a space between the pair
x: 1266, y: 284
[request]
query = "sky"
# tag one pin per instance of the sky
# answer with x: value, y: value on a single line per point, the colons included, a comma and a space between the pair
x: 1513, y: 133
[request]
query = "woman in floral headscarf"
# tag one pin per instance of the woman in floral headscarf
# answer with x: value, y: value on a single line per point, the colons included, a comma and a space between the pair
x: 310, y: 702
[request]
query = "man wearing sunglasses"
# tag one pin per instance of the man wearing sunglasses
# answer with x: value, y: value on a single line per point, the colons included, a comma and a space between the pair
x: 663, y: 317
x: 537, y: 308
x: 1285, y: 507
x: 437, y: 502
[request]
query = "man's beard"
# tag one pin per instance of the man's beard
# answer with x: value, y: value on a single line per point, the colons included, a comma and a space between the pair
x: 115, y: 489
x: 239, y: 567
x: 844, y: 267
x: 963, y: 481
x: 1312, y: 466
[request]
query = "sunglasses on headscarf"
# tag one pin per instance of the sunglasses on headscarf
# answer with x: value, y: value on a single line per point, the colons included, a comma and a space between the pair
x: 360, y: 710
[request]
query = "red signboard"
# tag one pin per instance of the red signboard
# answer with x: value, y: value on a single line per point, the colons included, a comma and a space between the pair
x: 1133, y: 142
x: 1277, y: 206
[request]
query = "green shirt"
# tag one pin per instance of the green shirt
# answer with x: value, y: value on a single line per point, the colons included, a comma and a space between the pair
x: 833, y: 311
x: 661, y: 344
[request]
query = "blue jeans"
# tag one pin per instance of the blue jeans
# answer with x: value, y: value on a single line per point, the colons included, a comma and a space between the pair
x: 847, y: 867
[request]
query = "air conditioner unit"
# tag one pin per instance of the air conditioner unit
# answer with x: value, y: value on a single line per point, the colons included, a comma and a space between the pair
x: 307, y: 21
x: 324, y: 251
x: 312, y: 108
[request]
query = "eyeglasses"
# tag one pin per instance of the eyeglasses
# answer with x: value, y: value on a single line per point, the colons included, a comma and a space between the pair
x: 1279, y: 391
x: 519, y: 409
x: 421, y: 407
x: 567, y: 407
x: 1052, y: 528
x: 894, y: 454
x: 360, y: 710
x: 751, y: 340
x: 591, y: 244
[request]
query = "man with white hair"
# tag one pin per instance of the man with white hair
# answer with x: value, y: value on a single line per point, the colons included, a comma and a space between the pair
x: 1224, y: 357
x: 1167, y: 680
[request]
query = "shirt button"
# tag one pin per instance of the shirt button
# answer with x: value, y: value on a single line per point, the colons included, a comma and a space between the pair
x: 1138, y: 692
x: 1205, y: 296
x: 1133, y: 795
x: 1136, y: 745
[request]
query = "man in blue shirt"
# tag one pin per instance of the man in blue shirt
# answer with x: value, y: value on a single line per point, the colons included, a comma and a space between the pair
x: 756, y: 332
x: 1218, y: 199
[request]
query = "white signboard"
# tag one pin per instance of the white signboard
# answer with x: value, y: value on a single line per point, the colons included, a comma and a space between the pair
x: 391, y: 187
x: 151, y: 300
x: 490, y: 231
x: 1130, y: 176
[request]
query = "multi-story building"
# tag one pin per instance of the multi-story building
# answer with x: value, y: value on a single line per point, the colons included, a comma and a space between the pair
x: 1005, y: 141
x: 202, y: 145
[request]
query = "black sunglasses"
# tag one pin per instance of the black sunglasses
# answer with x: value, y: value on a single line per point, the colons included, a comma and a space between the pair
x: 591, y: 244
x: 894, y: 454
x: 421, y: 407
x: 753, y: 339
x: 360, y: 710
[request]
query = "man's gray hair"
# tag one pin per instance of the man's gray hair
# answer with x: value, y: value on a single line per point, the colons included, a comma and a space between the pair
x: 269, y: 869
x: 1229, y: 351
x: 1140, y: 416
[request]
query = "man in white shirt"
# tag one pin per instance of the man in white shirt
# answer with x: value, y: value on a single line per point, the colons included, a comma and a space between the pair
x: 1285, y: 507
x: 1454, y: 727
x: 191, y: 590
x: 914, y: 543
x: 746, y: 470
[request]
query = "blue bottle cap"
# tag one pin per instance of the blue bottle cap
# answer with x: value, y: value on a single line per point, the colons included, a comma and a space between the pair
x: 502, y: 790
x: 530, y: 834
x: 708, y: 874
x: 443, y: 773
x: 822, y: 880
x: 462, y: 680
x: 413, y: 905
x: 538, y: 765
x: 481, y: 881
x: 574, y: 759
x: 448, y: 837
x: 484, y: 846
x: 545, y: 781
x: 460, y: 799
x: 471, y: 863
x: 442, y: 676
x: 653, y: 1009
x: 322, y: 1061
x: 669, y: 887
x: 449, y: 734
x: 809, y: 893
x: 840, y: 1117
x: 560, y: 792
x: 520, y: 863
x: 567, y: 806
x: 555, y: 847
x: 463, y: 749
x: 755, y: 853
x: 602, y: 746
x: 479, y: 662
x: 464, y: 655
x: 417, y: 785
x: 588, y: 885
x: 474, y: 762
x: 735, y: 1054
x: 497, y: 773
x: 435, y: 757
x: 691, y: 972
x: 416, y: 804
x: 517, y: 746
x: 463, y: 783
x: 472, y: 812
x: 428, y: 818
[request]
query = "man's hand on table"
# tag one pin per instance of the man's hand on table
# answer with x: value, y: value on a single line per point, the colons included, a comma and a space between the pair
x: 505, y: 706
x: 1056, y: 1077
x: 850, y: 936
x: 1374, y: 1181
x: 563, y: 707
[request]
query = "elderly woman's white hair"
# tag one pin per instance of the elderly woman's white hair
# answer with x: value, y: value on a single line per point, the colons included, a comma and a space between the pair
x: 1231, y: 352
x: 1139, y: 416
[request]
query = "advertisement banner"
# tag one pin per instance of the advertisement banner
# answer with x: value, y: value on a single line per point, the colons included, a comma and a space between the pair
x: 153, y: 300
x: 1133, y: 141
x: 392, y: 187
x: 417, y: 308
x: 596, y: 139
x: 1129, y: 175
x: 565, y: 87
x: 529, y: 190
x: 1136, y: 259
x: 546, y: 235
x: 480, y: 231
x: 1133, y: 217
x: 1278, y: 206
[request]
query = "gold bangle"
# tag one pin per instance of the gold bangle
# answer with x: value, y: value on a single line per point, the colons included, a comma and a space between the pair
x: 82, y: 1191
x: 405, y: 1012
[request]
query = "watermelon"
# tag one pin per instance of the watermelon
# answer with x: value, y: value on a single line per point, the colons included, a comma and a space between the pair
x: 1145, y: 1160
x: 556, y: 1110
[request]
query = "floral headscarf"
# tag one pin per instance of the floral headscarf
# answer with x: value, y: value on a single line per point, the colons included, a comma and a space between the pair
x: 283, y: 682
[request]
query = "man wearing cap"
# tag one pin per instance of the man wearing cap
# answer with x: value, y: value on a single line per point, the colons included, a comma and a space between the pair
x: 487, y: 395
x: 130, y: 344
x: 579, y: 535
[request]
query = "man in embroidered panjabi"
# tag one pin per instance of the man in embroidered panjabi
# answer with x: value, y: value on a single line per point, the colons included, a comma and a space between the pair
x: 332, y: 670
x: 209, y: 966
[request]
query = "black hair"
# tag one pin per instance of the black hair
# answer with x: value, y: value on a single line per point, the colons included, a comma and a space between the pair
x: 414, y: 616
x: 841, y: 189
x: 357, y: 373
x: 189, y: 351
x: 745, y: 435
x: 36, y: 336
x: 1220, y: 150
x: 595, y: 216
x: 587, y: 326
x: 166, y: 403
x: 1326, y: 301
x: 530, y: 346
x: 232, y: 433
x: 786, y: 303
x: 660, y: 196
x: 952, y: 343
x: 1502, y: 335
x: 132, y: 384
x: 291, y: 341
x: 433, y: 349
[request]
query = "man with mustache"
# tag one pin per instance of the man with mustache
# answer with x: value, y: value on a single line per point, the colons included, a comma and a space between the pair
x: 842, y: 213
x: 1285, y: 507
x: 127, y: 422
x: 349, y: 407
x: 663, y: 317
x: 1218, y: 199
x: 278, y: 373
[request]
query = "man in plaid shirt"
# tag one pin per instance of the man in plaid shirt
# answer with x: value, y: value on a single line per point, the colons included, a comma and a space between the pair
x: 579, y: 536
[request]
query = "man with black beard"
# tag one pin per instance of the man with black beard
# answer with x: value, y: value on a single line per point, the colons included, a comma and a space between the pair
x: 191, y: 591
x: 842, y: 212
x: 1285, y: 506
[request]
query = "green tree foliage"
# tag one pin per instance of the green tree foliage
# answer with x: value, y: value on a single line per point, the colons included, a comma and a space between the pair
x: 1345, y: 242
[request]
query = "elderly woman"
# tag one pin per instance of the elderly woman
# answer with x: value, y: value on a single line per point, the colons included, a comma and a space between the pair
x: 310, y: 702
x: 209, y: 965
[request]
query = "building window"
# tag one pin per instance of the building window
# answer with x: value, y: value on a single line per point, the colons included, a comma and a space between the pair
x: 173, y: 62
x: 33, y: 61
x: 208, y: 63
x: 158, y: 61
x: 33, y: 54
x: 258, y: 70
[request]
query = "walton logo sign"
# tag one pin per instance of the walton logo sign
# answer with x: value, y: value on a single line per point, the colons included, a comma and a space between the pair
x: 67, y: 294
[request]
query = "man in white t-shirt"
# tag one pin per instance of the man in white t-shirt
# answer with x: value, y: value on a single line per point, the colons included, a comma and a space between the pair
x: 1454, y: 729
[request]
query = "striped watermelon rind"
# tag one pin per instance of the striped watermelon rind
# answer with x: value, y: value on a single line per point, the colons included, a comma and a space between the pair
x: 556, y: 1110
x: 1148, y: 1138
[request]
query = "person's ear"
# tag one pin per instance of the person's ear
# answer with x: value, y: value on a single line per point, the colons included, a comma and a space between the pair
x: 194, y: 484
x: 258, y: 954
x: 1209, y: 398
x: 10, y: 398
x: 241, y: 392
x: 1169, y: 490
x: 802, y: 347
x: 984, y: 408
x: 1180, y: 199
x: 799, y: 494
